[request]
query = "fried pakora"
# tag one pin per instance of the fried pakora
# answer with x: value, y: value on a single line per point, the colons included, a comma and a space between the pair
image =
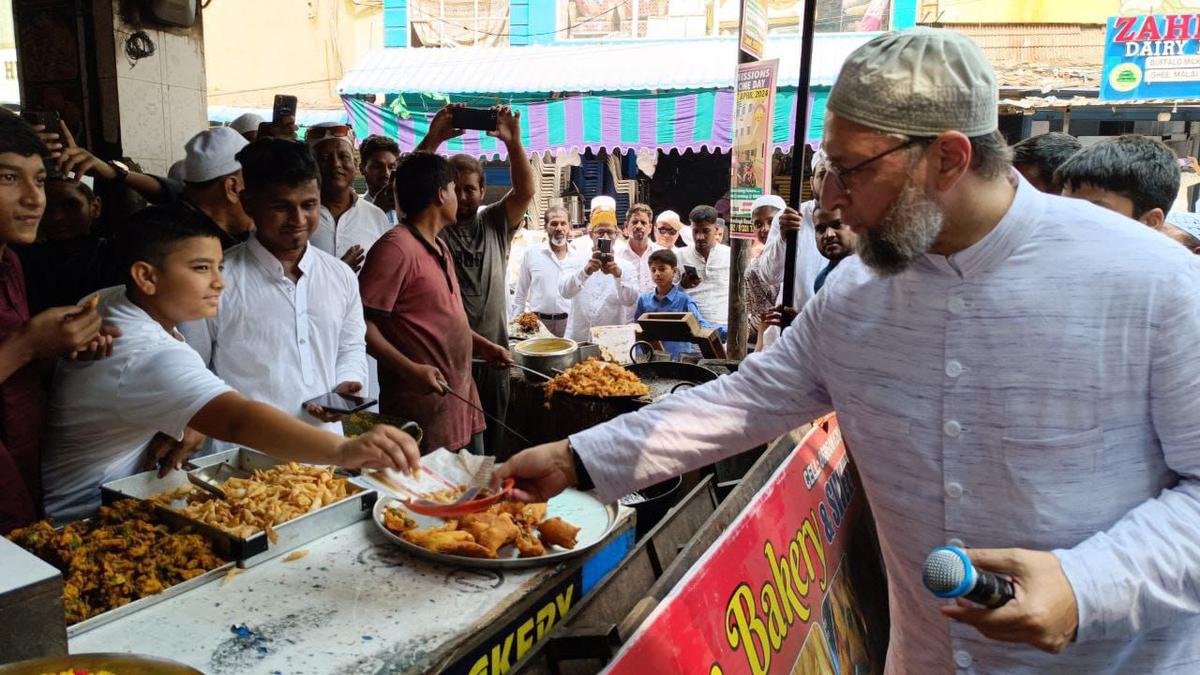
x: 123, y: 554
x: 483, y: 534
x: 596, y: 378
x: 528, y: 322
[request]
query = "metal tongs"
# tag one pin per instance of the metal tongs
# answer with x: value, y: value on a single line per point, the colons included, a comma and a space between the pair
x: 468, y: 502
x: 211, y: 477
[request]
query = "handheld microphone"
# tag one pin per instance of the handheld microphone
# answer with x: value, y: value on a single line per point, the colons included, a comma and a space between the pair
x: 948, y: 573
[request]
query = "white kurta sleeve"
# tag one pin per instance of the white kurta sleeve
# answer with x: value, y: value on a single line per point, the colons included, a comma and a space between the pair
x: 770, y: 394
x: 572, y: 282
x: 524, y: 281
x: 1144, y: 571
x: 627, y: 286
x: 352, y: 339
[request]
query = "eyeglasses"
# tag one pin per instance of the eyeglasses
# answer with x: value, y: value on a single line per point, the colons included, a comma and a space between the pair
x: 840, y: 175
x: 668, y: 230
x: 320, y: 133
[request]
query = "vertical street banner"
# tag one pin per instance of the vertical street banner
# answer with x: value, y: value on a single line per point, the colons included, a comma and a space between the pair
x: 773, y: 594
x: 753, y: 116
x: 1151, y: 56
x: 752, y: 32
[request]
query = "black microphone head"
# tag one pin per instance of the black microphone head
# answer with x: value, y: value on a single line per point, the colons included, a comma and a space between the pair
x: 948, y: 572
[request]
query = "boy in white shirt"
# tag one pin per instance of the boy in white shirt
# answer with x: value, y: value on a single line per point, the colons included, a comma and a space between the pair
x: 284, y: 296
x: 103, y: 414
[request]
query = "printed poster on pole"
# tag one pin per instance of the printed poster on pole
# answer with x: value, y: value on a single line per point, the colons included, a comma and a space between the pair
x: 753, y: 115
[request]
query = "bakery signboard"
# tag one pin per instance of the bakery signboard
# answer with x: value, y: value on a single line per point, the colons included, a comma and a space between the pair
x: 774, y: 593
x: 1152, y: 56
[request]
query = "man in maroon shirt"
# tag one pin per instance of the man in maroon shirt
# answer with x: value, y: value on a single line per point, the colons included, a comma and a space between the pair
x: 59, y: 331
x: 416, y: 325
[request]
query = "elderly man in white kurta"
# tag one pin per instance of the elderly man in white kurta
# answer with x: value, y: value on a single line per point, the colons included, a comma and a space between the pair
x: 601, y: 287
x: 1014, y: 372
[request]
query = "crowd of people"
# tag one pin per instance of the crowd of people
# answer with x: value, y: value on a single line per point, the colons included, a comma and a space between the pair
x: 1046, y: 346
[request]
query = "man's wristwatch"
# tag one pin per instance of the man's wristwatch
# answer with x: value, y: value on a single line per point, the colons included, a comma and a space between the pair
x: 122, y: 171
x: 583, y: 480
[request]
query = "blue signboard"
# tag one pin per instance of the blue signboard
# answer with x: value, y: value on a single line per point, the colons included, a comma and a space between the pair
x: 1151, y: 56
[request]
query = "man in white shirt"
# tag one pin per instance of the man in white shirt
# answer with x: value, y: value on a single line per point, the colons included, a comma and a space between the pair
x: 349, y: 224
x: 600, y: 287
x: 541, y: 269
x: 706, y: 267
x: 809, y: 260
x: 103, y: 414
x: 638, y: 246
x: 284, y: 297
x: 1014, y: 372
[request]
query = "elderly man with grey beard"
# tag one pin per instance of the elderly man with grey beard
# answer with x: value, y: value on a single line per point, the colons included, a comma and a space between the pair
x: 1014, y: 372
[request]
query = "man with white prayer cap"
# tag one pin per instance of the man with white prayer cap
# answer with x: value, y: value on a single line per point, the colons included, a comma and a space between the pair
x: 247, y: 125
x: 809, y: 261
x: 1184, y: 227
x: 1015, y: 373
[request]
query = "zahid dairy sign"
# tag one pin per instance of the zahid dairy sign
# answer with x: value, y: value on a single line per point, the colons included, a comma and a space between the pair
x: 1152, y: 56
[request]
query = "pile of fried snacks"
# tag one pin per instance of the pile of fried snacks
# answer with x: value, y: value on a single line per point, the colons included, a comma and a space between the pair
x: 596, y: 378
x: 483, y: 534
x: 262, y: 501
x: 121, y: 555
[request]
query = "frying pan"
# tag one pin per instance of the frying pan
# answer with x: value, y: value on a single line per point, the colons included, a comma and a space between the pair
x: 665, y: 377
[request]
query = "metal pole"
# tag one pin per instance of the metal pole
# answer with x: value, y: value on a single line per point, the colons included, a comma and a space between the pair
x: 799, y: 140
x: 739, y: 260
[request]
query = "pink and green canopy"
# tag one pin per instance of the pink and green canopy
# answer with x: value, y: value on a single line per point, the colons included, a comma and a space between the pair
x: 666, y: 122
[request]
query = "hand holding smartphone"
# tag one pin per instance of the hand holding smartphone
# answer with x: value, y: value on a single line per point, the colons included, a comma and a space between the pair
x: 341, y: 404
x: 483, y: 119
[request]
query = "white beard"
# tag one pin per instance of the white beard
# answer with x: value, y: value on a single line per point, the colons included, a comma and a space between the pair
x: 905, y: 233
x: 558, y: 241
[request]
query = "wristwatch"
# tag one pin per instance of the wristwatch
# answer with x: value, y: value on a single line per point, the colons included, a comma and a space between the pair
x: 583, y: 480
x: 122, y: 171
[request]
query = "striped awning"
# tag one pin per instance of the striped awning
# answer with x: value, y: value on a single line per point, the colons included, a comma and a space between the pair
x: 665, y: 122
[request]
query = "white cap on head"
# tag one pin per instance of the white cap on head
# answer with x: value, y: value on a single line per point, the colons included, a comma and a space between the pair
x: 176, y: 171
x: 918, y: 82
x: 212, y: 154
x: 818, y: 160
x: 348, y: 139
x: 246, y: 122
x: 604, y: 202
x: 667, y: 216
x: 774, y: 201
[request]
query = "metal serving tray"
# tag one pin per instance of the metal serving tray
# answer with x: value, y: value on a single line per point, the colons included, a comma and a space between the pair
x: 257, y: 548
x: 148, y: 601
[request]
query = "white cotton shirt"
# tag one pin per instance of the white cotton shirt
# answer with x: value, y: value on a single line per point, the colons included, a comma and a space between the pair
x: 362, y: 224
x: 596, y: 300
x: 640, y: 264
x: 537, y: 282
x: 809, y: 261
x: 312, y: 330
x: 103, y: 414
x: 1040, y: 389
x: 712, y: 295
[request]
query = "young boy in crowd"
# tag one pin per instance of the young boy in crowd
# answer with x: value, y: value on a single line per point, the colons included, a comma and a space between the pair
x: 24, y: 339
x: 1133, y: 175
x: 69, y: 260
x: 103, y: 414
x: 667, y: 296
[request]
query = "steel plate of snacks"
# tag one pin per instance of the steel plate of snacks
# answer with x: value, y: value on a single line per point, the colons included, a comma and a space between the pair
x: 594, y: 520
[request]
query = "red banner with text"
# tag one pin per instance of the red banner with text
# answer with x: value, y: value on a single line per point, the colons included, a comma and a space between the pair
x: 772, y: 595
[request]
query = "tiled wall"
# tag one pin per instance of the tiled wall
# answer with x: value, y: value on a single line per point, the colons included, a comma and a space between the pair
x: 152, y: 107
